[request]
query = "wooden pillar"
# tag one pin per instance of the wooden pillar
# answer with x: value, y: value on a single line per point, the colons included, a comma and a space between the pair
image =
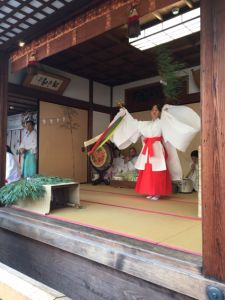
x: 90, y: 125
x: 111, y: 103
x: 3, y: 113
x: 213, y: 136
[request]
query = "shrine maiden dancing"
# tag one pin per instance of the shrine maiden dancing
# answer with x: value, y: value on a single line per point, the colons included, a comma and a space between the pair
x: 158, y: 162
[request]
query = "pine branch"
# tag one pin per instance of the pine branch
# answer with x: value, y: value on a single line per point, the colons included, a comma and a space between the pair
x: 167, y: 69
x: 32, y: 188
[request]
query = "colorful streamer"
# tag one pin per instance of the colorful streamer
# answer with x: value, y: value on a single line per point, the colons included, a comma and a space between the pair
x: 106, y: 135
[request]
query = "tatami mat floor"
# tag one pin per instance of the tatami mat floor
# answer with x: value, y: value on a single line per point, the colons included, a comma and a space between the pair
x: 171, y: 221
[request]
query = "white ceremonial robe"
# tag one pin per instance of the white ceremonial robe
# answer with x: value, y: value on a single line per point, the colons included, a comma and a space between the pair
x: 29, y: 141
x: 194, y: 176
x: 117, y: 165
x: 13, y: 172
x: 178, y: 126
x: 130, y: 165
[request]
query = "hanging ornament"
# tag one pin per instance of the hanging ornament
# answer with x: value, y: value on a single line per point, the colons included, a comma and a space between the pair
x: 32, y: 66
x: 134, y: 28
x: 28, y: 116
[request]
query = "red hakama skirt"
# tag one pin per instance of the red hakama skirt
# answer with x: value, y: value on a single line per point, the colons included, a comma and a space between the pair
x: 153, y: 182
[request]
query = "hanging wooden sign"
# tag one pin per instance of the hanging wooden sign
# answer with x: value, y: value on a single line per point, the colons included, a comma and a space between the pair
x: 47, y: 82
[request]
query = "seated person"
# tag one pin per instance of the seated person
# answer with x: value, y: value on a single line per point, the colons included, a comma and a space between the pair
x: 124, y: 167
x: 12, y: 167
x: 130, y: 160
x: 117, y: 166
x: 118, y: 163
x: 193, y: 174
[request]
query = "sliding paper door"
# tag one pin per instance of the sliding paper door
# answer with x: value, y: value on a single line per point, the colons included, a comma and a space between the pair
x: 62, y: 131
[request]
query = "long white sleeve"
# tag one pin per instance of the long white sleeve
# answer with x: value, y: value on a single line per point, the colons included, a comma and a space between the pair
x: 12, y: 168
x: 127, y: 132
x: 179, y: 125
x: 29, y: 141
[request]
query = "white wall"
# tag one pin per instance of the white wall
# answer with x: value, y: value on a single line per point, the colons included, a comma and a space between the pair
x: 18, y: 77
x: 101, y: 94
x: 192, y: 86
x: 119, y: 90
x: 78, y: 87
x: 100, y: 122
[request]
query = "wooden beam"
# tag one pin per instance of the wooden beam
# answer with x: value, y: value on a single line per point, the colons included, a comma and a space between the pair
x: 57, y: 99
x: 102, y: 18
x: 213, y: 136
x: 3, y: 113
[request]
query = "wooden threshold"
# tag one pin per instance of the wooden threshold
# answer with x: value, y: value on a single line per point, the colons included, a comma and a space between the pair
x: 170, y: 269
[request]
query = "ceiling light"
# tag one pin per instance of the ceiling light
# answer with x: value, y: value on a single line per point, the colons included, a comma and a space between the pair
x: 11, y: 107
x: 167, y: 31
x: 21, y: 44
x: 175, y: 10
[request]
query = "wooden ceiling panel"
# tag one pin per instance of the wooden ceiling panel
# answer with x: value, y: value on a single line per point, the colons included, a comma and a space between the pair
x: 120, y: 49
x: 102, y: 55
x: 25, y: 20
x: 110, y: 59
x: 85, y: 48
x: 117, y: 61
x: 103, y: 42
x: 17, y: 104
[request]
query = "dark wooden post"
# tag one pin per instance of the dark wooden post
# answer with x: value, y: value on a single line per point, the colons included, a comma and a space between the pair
x: 213, y: 136
x: 90, y: 124
x: 111, y: 103
x: 3, y: 113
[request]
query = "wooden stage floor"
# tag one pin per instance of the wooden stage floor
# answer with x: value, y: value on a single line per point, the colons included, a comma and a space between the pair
x: 171, y: 221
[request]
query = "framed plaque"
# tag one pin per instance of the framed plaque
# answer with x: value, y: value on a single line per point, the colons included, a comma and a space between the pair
x: 47, y: 82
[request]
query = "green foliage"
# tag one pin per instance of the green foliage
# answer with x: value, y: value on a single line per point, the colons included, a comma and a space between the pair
x: 129, y: 176
x: 167, y: 68
x: 32, y: 188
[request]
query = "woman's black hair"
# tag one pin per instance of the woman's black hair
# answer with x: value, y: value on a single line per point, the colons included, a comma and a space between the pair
x: 194, y: 153
x: 30, y: 121
x: 116, y: 152
x: 159, y: 106
x: 133, y: 149
x: 8, y: 149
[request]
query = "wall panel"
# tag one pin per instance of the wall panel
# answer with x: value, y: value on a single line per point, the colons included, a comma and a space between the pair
x: 62, y: 131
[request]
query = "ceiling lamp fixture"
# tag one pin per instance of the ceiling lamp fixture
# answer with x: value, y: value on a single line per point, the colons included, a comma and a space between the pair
x: 21, y: 44
x: 175, y: 10
x: 167, y: 31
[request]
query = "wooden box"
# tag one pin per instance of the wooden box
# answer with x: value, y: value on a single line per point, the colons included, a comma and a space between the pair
x: 57, y: 195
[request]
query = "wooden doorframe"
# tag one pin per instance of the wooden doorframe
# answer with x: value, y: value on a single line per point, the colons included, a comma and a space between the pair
x: 4, y: 59
x: 213, y: 136
x: 213, y: 133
